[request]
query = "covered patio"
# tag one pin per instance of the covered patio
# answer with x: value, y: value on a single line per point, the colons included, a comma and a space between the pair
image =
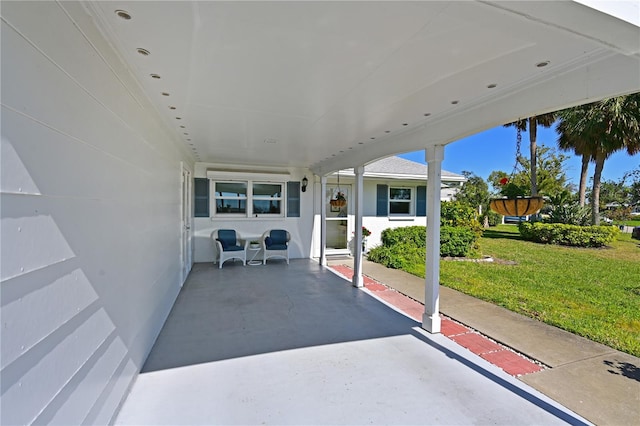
x: 297, y: 344
x: 120, y: 119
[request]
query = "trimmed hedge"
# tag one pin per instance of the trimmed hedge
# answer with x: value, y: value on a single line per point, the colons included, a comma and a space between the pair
x: 568, y: 235
x: 458, y: 241
x: 414, y: 235
x: 403, y: 247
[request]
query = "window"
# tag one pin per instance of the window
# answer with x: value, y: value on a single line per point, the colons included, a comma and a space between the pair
x: 267, y: 199
x: 231, y: 198
x: 400, y: 201
x: 249, y: 199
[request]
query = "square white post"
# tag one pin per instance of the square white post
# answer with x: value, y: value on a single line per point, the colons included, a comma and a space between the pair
x: 431, y: 316
x: 357, y: 240
x: 323, y: 220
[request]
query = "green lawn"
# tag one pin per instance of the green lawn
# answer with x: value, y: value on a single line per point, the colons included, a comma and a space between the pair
x: 591, y: 292
x: 635, y: 222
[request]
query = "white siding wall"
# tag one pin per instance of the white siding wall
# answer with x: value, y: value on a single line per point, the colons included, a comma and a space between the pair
x: 90, y: 220
x: 370, y: 221
x: 299, y: 227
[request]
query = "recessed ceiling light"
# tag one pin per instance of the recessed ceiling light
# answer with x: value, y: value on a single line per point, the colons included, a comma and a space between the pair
x: 341, y: 152
x: 360, y: 143
x: 372, y: 138
x: 454, y: 102
x: 123, y: 14
x: 143, y: 52
x: 156, y: 76
x: 350, y: 147
x: 188, y: 139
x: 182, y: 127
x: 172, y: 107
x: 186, y: 134
x: 405, y: 124
x: 542, y: 64
x: 492, y: 86
x: 426, y: 114
x: 165, y: 94
x: 387, y: 131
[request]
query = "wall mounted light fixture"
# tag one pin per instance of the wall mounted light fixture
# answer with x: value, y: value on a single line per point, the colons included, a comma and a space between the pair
x: 305, y: 182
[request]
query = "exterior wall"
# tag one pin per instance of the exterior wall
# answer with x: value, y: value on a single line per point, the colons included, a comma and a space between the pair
x: 370, y: 221
x: 299, y: 227
x: 90, y: 197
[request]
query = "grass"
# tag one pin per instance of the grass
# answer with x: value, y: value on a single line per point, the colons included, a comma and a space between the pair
x: 594, y: 293
x: 635, y: 222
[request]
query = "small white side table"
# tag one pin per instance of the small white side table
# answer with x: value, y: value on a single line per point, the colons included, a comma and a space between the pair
x: 253, y: 251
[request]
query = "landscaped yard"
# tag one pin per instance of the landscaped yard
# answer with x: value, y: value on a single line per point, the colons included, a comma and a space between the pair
x: 591, y: 292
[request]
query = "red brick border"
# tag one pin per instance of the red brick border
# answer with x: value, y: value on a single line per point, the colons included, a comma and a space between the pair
x: 499, y: 355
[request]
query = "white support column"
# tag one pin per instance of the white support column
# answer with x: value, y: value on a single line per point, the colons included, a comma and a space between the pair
x: 431, y: 317
x: 357, y: 241
x: 323, y: 220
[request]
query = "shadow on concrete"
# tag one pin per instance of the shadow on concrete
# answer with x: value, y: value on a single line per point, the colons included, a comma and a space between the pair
x: 239, y: 311
x: 625, y: 369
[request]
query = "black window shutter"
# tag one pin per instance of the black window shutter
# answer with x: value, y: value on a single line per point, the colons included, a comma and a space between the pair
x: 421, y: 201
x: 293, y: 199
x: 201, y: 197
x: 382, y: 200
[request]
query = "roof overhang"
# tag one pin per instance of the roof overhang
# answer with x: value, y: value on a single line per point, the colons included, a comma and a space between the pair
x: 333, y: 85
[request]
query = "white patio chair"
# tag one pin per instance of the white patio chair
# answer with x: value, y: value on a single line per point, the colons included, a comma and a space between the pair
x: 275, y: 243
x: 229, y: 246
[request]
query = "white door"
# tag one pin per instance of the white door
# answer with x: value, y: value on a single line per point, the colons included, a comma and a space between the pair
x: 338, y: 223
x: 185, y: 223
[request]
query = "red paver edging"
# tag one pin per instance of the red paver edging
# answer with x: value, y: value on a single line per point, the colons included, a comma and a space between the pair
x: 511, y: 362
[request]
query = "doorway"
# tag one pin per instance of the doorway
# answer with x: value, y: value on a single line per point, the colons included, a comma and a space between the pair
x: 339, y: 221
x: 185, y: 223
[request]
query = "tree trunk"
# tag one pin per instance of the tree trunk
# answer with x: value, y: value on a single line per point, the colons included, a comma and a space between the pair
x: 583, y: 179
x: 533, y: 152
x: 595, y: 193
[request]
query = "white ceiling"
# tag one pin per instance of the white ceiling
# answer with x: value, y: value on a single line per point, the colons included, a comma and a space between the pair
x: 330, y: 85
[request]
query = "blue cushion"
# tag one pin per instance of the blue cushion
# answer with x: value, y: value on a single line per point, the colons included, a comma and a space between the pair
x: 277, y: 247
x: 223, y: 243
x: 233, y: 248
x: 279, y: 236
x: 227, y: 238
x: 268, y: 241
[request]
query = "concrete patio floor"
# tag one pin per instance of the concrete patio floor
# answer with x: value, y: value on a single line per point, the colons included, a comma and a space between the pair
x: 296, y: 344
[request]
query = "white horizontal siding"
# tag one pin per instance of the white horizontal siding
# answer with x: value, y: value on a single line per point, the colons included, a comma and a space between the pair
x: 90, y: 219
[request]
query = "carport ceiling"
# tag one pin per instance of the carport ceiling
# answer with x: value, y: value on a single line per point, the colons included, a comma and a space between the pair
x: 328, y: 85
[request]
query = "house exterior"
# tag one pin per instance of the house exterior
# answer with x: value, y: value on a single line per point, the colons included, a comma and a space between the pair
x: 112, y: 112
x: 394, y: 196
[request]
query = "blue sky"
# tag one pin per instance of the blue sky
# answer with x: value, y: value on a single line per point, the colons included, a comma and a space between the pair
x: 495, y: 149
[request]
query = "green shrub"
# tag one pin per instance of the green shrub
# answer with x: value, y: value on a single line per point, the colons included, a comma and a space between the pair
x: 493, y: 218
x: 397, y: 256
x: 458, y: 241
x: 415, y: 235
x: 403, y: 247
x: 568, y: 235
x: 454, y: 213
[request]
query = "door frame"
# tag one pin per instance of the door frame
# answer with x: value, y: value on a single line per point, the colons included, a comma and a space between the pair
x: 186, y: 222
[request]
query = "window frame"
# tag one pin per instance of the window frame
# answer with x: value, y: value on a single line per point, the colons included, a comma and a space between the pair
x: 217, y: 197
x: 281, y: 199
x: 249, y: 199
x: 411, y: 202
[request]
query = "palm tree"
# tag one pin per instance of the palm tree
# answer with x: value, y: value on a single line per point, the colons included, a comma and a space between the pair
x: 598, y: 130
x: 568, y: 142
x: 544, y: 120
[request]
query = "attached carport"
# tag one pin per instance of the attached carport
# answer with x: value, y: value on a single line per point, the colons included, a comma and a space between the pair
x: 109, y: 108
